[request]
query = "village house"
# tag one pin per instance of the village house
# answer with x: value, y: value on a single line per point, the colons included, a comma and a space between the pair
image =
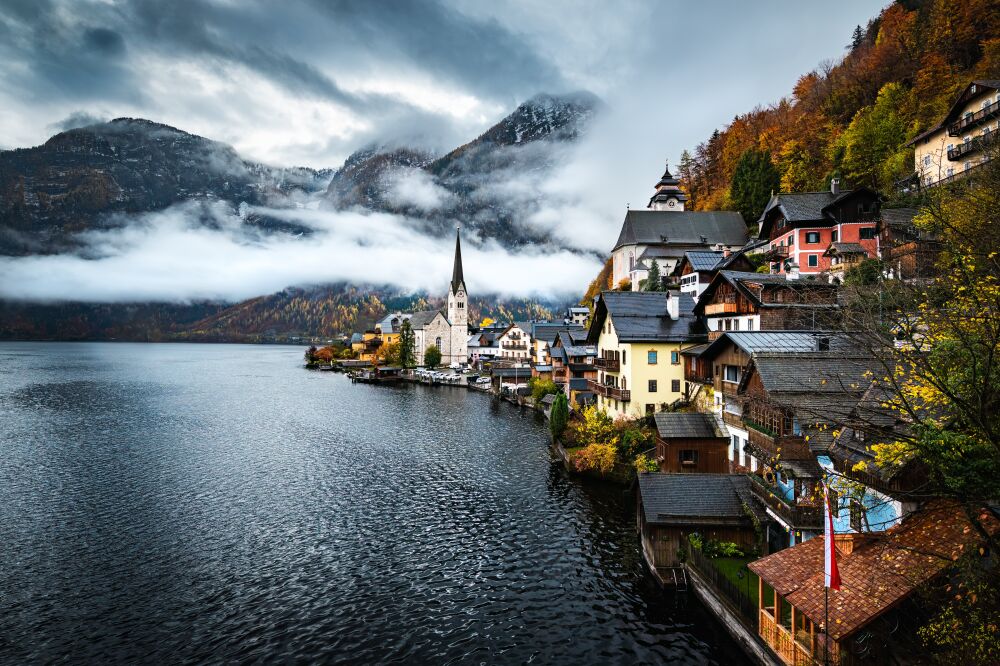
x: 691, y: 443
x: 665, y: 231
x: 697, y: 268
x: 908, y: 253
x: 763, y: 302
x: 515, y: 343
x: 577, y: 316
x: 639, y: 338
x: 482, y: 346
x: 716, y: 369
x: 866, y: 621
x: 573, y: 364
x: 671, y: 507
x: 800, y: 226
x: 788, y: 402
x: 961, y: 141
x: 543, y: 334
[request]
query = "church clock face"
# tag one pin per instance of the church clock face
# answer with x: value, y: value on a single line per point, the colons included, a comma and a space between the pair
x: 460, y: 294
x: 671, y: 203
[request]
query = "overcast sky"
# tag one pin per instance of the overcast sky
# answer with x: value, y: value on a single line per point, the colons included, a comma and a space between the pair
x: 306, y: 82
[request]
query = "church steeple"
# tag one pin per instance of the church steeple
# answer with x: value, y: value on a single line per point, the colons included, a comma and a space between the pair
x: 457, y: 278
x: 669, y: 195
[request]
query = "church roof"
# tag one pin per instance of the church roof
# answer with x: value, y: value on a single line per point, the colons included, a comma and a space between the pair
x: 420, y: 320
x: 667, y: 179
x: 457, y: 278
x: 686, y: 227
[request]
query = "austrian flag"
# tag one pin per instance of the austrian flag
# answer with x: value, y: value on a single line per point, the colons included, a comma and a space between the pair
x: 831, y: 577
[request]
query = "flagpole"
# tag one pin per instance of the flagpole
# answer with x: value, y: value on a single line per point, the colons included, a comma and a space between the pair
x: 826, y: 626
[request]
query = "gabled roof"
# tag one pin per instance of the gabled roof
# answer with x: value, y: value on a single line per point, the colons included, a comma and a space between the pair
x: 702, y: 260
x: 744, y: 281
x: 420, y: 320
x: 813, y: 207
x: 548, y: 332
x: 753, y: 342
x: 657, y: 227
x: 642, y: 316
x: 957, y: 106
x: 881, y: 571
x: 689, y: 498
x: 684, y: 425
x: 844, y: 249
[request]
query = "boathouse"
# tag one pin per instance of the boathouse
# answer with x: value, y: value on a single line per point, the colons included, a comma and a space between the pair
x: 673, y: 506
x: 691, y: 443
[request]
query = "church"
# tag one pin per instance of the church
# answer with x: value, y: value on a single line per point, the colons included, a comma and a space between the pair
x: 665, y: 231
x: 447, y: 330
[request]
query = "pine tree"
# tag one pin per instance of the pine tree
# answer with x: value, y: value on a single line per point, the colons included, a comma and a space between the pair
x: 857, y: 38
x: 654, y: 281
x: 559, y: 417
x: 754, y: 180
x: 407, y: 342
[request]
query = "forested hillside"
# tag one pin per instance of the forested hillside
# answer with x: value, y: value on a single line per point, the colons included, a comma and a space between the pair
x: 851, y: 118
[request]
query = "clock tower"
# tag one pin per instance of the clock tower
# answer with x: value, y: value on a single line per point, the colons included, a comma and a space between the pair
x: 669, y: 195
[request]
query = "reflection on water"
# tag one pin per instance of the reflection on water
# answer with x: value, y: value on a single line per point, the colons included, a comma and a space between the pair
x: 181, y: 503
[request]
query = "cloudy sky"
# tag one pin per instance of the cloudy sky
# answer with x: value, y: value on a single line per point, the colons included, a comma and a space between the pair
x: 306, y: 82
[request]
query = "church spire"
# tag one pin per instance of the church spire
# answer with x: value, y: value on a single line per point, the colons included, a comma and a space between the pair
x: 457, y: 278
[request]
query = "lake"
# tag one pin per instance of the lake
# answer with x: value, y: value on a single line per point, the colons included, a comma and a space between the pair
x: 178, y: 503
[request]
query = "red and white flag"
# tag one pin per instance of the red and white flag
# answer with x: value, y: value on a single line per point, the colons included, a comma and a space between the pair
x: 831, y: 577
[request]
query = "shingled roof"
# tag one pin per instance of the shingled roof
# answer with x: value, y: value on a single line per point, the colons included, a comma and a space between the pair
x: 642, y: 316
x: 684, y: 425
x: 657, y: 227
x: 812, y: 207
x: 421, y: 319
x: 880, y: 572
x: 753, y: 342
x: 693, y: 498
x: 745, y: 283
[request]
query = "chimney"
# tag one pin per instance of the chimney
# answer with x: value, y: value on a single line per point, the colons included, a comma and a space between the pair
x: 848, y: 543
x: 726, y: 253
x: 834, y: 186
x: 673, y: 305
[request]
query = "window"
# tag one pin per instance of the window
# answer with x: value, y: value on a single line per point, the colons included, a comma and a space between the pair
x: 857, y: 516
x: 688, y: 457
x: 812, y: 237
x: 927, y: 160
x: 950, y: 171
x: 675, y: 385
x: 652, y: 386
x: 675, y: 358
x: 733, y: 374
x: 866, y: 233
x: 650, y: 408
x: 813, y: 260
x: 651, y: 357
x: 951, y: 147
x: 791, y: 239
x: 461, y: 305
x: 733, y: 446
x: 834, y: 235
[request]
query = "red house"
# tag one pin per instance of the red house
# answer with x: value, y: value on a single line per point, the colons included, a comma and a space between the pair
x: 801, y: 226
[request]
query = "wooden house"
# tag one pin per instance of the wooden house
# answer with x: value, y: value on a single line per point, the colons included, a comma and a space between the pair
x: 697, y: 268
x: 766, y: 302
x: 673, y: 506
x: 907, y: 252
x: 879, y: 573
x: 691, y: 443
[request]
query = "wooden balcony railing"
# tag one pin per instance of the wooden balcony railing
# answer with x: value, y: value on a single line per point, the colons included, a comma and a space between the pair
x: 514, y: 345
x: 971, y: 146
x: 988, y: 113
x: 720, y: 308
x: 609, y: 391
x: 797, y: 515
x: 609, y: 364
x: 793, y: 651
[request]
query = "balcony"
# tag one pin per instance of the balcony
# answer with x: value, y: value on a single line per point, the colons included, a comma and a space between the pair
x: 609, y: 364
x: 776, y: 253
x: 609, y: 391
x: 990, y: 112
x: 974, y: 145
x: 803, y: 650
x: 796, y: 515
x: 734, y: 420
x: 514, y: 345
x: 720, y: 308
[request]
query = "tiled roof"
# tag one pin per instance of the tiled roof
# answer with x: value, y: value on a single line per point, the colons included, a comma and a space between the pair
x: 683, y: 425
x: 703, y: 261
x: 421, y: 319
x: 548, y: 332
x: 642, y: 316
x: 578, y: 384
x: 777, y: 341
x: 581, y: 350
x: 656, y: 227
x: 845, y: 248
x: 881, y: 571
x: 685, y: 498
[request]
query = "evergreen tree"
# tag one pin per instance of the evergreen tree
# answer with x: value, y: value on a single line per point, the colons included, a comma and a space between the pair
x: 857, y: 39
x: 754, y: 180
x: 407, y: 342
x: 654, y: 282
x: 559, y: 418
x: 432, y: 357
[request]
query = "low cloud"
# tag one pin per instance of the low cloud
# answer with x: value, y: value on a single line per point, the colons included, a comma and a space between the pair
x: 416, y: 188
x: 173, y: 256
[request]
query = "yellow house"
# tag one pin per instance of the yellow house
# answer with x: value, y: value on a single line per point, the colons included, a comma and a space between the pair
x: 639, y: 338
x: 963, y: 138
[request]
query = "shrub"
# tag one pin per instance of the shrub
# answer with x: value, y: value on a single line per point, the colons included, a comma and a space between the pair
x: 541, y: 388
x: 633, y: 441
x: 644, y: 463
x: 596, y: 457
x: 596, y: 427
x: 559, y: 416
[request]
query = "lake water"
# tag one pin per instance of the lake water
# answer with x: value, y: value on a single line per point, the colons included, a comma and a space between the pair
x: 219, y: 503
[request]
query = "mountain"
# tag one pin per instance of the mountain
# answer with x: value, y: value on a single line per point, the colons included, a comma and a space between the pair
x: 84, y: 178
x: 287, y: 316
x: 474, y: 183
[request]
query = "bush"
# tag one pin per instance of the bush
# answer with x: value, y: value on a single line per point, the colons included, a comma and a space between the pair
x: 432, y: 357
x: 541, y: 388
x: 633, y: 441
x: 596, y: 427
x: 644, y: 463
x: 595, y: 457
